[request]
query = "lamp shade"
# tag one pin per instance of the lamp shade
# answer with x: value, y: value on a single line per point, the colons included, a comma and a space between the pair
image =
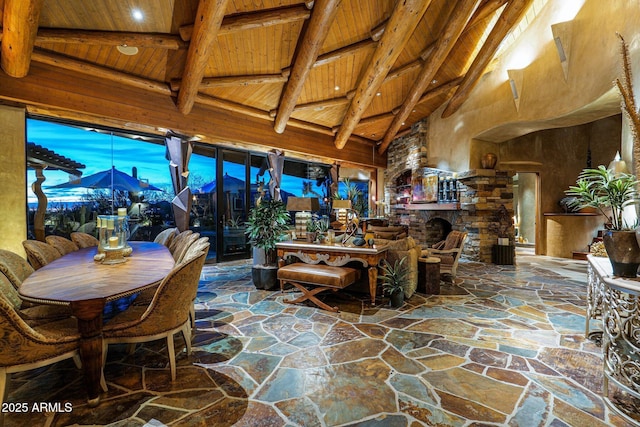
x: 300, y: 204
x: 342, y: 204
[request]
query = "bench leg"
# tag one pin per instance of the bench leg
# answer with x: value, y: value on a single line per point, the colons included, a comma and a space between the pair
x: 309, y: 294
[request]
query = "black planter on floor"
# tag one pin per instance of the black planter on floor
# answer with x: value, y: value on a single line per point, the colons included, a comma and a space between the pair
x: 265, y: 277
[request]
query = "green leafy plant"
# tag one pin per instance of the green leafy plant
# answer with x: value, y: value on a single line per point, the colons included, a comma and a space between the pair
x: 311, y: 226
x: 394, y: 276
x: 267, y: 225
x: 603, y: 189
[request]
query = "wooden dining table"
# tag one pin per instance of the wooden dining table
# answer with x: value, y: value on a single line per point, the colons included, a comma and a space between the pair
x: 86, y: 286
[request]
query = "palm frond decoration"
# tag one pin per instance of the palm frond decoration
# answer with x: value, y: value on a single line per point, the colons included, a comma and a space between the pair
x: 625, y: 86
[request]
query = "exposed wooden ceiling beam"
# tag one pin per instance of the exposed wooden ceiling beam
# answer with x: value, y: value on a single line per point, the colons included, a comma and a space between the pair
x: 403, y: 21
x: 440, y: 90
x: 247, y: 21
x: 208, y: 20
x: 67, y: 63
x: 109, y: 38
x: 485, y: 9
x: 510, y: 16
x: 306, y: 54
x: 19, y: 29
x: 332, y: 102
x: 229, y: 81
x: 441, y: 50
x: 343, y: 52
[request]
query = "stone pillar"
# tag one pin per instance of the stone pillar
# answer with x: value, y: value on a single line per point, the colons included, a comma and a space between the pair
x: 13, y: 175
x: 483, y: 194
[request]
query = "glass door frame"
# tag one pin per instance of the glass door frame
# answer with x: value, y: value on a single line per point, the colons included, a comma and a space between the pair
x: 221, y: 218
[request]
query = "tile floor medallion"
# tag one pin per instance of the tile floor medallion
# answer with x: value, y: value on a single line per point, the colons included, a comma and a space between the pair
x: 502, y: 346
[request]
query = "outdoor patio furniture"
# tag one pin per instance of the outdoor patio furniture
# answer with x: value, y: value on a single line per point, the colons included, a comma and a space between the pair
x: 62, y: 245
x: 25, y: 347
x: 40, y: 253
x: 84, y: 240
x: 167, y: 314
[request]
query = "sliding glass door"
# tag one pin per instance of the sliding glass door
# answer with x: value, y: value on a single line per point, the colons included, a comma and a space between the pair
x: 233, y: 197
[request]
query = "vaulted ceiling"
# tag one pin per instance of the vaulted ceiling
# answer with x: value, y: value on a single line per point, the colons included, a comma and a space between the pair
x: 343, y: 74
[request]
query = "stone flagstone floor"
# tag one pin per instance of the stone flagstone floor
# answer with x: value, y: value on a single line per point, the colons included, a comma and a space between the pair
x: 503, y: 346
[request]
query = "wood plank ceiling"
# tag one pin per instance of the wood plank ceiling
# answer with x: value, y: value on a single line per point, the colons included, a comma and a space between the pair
x: 352, y: 71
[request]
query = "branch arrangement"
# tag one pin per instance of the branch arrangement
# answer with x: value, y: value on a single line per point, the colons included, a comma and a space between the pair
x: 625, y: 86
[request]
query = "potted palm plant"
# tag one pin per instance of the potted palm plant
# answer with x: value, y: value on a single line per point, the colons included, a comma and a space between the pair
x: 609, y: 193
x: 267, y: 225
x: 394, y: 278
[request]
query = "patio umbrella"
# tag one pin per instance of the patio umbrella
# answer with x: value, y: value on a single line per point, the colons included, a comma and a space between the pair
x: 111, y: 178
x: 229, y: 183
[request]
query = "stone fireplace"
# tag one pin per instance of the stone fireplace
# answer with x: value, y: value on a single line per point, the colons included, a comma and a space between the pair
x: 478, y: 209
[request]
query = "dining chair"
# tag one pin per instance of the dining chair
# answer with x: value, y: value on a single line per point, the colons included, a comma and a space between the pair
x: 15, y: 267
x: 25, y: 347
x: 166, y: 236
x: 193, y: 251
x: 178, y: 238
x: 62, y: 244
x: 84, y: 240
x: 167, y: 314
x: 183, y: 245
x: 33, y: 314
x: 40, y: 253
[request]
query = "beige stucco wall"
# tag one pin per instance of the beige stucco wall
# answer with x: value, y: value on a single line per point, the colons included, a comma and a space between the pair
x: 13, y: 176
x: 547, y: 100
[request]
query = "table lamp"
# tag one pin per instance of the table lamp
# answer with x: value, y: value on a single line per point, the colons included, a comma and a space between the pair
x: 342, y: 206
x: 303, y: 206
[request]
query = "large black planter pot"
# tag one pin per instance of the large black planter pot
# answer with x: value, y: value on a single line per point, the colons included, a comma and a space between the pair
x: 397, y: 299
x: 255, y: 277
x: 265, y: 277
x: 624, y: 252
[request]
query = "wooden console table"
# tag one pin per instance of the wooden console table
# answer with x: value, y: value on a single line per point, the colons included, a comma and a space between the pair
x: 336, y: 255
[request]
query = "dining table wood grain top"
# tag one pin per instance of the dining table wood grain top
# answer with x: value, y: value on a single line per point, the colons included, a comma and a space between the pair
x: 85, y: 285
x: 76, y: 276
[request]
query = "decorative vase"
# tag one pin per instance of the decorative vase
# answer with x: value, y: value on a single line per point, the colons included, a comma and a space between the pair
x: 624, y: 252
x: 397, y: 299
x: 311, y: 236
x: 489, y: 161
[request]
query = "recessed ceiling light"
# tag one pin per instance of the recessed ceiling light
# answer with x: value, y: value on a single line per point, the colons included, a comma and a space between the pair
x: 336, y: 88
x: 379, y: 93
x: 402, y: 123
x: 127, y: 50
x: 137, y: 15
x: 434, y: 81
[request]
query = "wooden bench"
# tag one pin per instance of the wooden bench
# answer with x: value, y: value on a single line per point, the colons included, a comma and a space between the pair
x: 323, y: 277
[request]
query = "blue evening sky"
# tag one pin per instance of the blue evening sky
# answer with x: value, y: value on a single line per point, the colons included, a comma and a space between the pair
x: 95, y: 151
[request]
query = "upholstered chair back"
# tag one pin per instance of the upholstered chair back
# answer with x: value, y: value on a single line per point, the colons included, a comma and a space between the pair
x: 62, y: 245
x: 84, y: 240
x: 40, y: 253
x: 183, y: 244
x: 166, y: 236
x: 169, y: 307
x: 14, y: 267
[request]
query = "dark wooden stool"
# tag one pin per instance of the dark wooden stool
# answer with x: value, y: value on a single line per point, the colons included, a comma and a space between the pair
x: 429, y: 275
